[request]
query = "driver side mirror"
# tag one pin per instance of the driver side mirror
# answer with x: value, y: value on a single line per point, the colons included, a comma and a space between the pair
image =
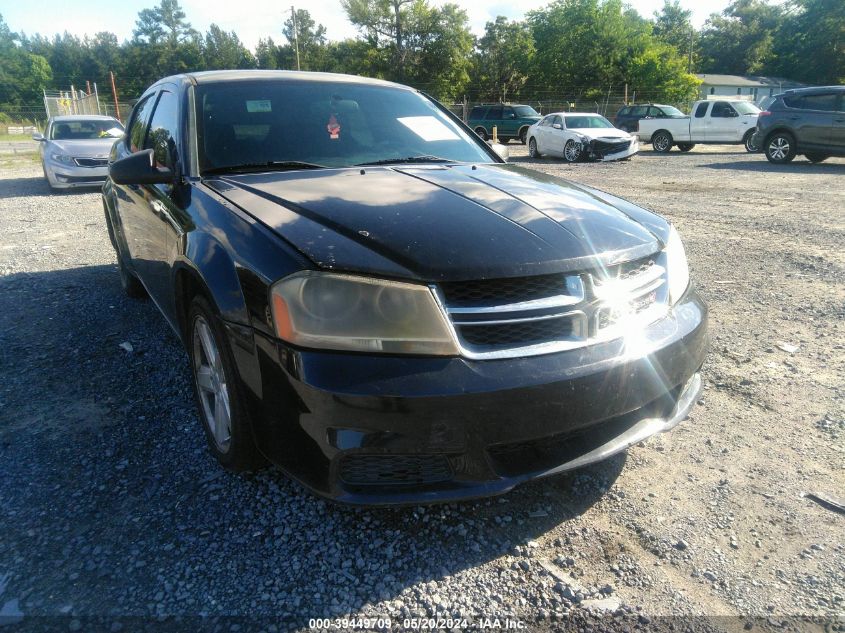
x: 38, y: 136
x: 557, y: 126
x: 139, y: 169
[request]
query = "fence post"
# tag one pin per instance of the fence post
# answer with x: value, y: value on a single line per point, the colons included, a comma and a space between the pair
x: 114, y: 93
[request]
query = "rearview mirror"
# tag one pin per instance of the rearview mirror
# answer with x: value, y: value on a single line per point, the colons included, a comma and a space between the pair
x: 139, y: 169
x: 501, y: 151
x: 38, y: 136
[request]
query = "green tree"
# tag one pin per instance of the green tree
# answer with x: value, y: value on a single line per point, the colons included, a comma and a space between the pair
x: 415, y: 43
x: 672, y: 26
x: 311, y: 39
x: 503, y: 59
x: 740, y: 40
x: 265, y: 54
x: 809, y: 46
x: 23, y: 75
x: 223, y: 50
x: 165, y: 22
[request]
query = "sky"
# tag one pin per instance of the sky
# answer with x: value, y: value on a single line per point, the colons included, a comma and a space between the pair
x: 255, y: 19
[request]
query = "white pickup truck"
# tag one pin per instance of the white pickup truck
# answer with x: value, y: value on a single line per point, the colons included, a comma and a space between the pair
x: 721, y: 122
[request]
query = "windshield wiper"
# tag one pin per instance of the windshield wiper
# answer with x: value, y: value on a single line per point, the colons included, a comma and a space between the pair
x: 273, y: 165
x: 426, y: 158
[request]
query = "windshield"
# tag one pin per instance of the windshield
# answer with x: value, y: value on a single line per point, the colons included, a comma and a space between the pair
x: 745, y: 107
x: 582, y: 122
x: 524, y: 111
x: 324, y: 124
x: 85, y: 130
x: 672, y: 112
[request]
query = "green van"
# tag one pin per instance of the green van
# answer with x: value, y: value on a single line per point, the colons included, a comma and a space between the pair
x: 510, y: 119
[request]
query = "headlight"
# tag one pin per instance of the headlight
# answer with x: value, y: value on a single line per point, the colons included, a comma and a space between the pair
x: 62, y: 158
x: 677, y: 268
x: 344, y: 312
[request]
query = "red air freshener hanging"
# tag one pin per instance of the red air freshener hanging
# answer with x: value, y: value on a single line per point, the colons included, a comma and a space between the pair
x: 334, y: 128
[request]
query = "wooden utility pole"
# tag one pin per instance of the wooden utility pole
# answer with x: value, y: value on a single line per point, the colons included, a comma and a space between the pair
x: 295, y: 35
x: 114, y: 94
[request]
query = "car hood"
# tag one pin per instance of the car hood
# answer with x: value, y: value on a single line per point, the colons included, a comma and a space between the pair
x: 91, y: 148
x: 445, y: 223
x: 602, y: 133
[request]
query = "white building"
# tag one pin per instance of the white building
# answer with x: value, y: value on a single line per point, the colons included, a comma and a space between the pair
x: 753, y: 88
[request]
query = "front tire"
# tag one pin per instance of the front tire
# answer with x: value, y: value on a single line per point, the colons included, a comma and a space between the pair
x: 817, y: 158
x: 482, y: 133
x: 780, y: 148
x: 132, y: 286
x: 750, y: 146
x: 685, y: 147
x: 533, y: 152
x: 572, y: 151
x: 227, y: 425
x: 662, y: 142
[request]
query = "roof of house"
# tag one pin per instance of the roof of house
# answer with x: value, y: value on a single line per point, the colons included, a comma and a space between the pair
x: 747, y: 81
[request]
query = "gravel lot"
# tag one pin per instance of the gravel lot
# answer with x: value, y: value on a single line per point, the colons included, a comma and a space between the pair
x: 110, y: 505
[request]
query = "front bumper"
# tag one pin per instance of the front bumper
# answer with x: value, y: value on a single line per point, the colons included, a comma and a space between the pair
x: 64, y: 176
x: 386, y: 430
x: 598, y: 151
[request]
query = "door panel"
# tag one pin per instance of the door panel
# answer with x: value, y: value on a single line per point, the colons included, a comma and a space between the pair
x: 698, y: 121
x: 723, y: 123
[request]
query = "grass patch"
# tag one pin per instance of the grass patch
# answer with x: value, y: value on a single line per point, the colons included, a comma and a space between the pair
x: 20, y: 159
x: 16, y: 137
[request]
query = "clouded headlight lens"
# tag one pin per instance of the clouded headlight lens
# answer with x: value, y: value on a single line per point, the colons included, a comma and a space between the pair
x: 62, y: 158
x: 345, y: 312
x: 677, y: 266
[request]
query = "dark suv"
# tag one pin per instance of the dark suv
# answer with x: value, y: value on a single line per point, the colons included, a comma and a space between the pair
x: 511, y: 120
x: 809, y: 121
x: 628, y: 117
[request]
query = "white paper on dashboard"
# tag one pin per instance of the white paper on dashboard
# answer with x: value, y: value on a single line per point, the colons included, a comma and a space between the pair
x: 428, y: 128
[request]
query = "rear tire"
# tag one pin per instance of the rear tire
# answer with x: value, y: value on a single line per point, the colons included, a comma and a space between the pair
x: 750, y: 147
x: 780, y: 148
x: 817, y: 158
x: 482, y: 133
x: 662, y: 142
x: 222, y: 410
x: 685, y: 147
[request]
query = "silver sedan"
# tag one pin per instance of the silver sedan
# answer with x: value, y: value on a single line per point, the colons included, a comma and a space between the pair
x: 75, y: 149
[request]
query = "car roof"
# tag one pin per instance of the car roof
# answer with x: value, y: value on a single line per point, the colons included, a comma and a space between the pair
x: 573, y: 114
x: 83, y: 117
x: 224, y: 76
x: 812, y: 91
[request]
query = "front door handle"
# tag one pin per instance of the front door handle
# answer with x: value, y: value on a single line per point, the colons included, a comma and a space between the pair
x: 158, y: 207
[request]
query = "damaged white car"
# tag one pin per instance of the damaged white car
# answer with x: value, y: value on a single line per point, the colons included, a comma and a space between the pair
x: 578, y: 136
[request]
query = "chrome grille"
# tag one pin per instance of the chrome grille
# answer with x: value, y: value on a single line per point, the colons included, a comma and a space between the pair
x: 525, y: 316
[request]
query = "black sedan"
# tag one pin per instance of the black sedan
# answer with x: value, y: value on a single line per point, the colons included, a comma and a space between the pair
x: 372, y: 300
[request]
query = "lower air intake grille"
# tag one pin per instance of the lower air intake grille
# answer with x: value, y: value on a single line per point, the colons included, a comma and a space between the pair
x: 391, y: 470
x: 522, y: 333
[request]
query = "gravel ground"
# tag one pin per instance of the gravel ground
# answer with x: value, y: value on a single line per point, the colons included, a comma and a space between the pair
x: 111, y: 507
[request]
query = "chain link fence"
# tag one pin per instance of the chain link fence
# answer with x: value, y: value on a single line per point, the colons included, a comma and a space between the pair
x: 14, y: 117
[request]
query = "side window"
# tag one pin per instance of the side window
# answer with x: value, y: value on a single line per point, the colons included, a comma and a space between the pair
x: 494, y: 113
x: 722, y: 110
x: 657, y: 113
x: 138, y: 126
x: 163, y: 130
x: 623, y: 112
x: 824, y: 102
x: 547, y: 121
x: 476, y: 113
x: 508, y: 113
x: 701, y: 110
x: 558, y: 120
x: 639, y: 111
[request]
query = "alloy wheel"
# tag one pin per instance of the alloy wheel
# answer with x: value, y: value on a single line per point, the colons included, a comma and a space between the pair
x: 779, y: 148
x: 211, y: 384
x: 662, y: 143
x: 571, y: 151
